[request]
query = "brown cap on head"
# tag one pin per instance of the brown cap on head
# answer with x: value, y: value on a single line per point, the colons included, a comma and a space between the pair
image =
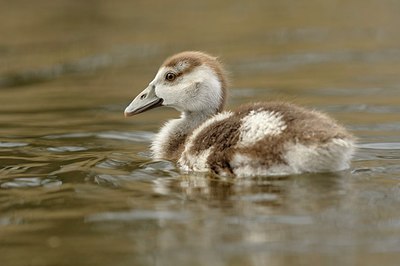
x: 192, y: 59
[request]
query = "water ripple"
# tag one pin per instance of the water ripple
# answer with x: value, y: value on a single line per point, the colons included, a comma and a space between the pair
x: 12, y: 144
x: 378, y: 151
x: 137, y: 215
x: 66, y: 149
x: 362, y: 108
x: 279, y: 219
x: 380, y: 146
x: 30, y: 182
x: 394, y: 126
x: 258, y: 197
x: 137, y: 136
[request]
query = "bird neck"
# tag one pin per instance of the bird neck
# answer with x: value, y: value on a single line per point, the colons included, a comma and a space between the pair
x: 193, y: 119
x: 188, y: 122
x: 170, y: 141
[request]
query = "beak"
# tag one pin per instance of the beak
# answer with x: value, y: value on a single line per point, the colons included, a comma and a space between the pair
x: 146, y: 100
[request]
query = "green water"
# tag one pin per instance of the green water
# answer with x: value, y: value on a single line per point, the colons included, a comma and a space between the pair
x: 77, y: 186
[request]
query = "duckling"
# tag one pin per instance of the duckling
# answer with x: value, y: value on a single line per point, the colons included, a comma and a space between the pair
x: 257, y: 139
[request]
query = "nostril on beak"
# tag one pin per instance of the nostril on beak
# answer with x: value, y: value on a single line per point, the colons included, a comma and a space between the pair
x: 143, y: 96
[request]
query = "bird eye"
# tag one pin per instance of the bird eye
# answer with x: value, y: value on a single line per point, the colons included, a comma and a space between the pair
x: 170, y: 76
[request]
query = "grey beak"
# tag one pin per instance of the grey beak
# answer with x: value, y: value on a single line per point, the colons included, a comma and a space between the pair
x: 146, y: 100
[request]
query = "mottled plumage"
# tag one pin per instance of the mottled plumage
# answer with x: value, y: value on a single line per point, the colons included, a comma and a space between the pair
x: 272, y: 138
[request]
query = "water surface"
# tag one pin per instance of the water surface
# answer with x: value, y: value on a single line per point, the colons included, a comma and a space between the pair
x: 77, y: 185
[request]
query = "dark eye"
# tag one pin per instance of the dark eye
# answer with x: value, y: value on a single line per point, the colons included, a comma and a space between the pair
x: 170, y: 76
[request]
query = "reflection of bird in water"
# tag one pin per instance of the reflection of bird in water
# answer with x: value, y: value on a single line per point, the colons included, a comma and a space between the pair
x: 267, y: 191
x: 271, y: 138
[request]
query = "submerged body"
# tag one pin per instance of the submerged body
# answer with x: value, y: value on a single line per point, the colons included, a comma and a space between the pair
x: 272, y: 138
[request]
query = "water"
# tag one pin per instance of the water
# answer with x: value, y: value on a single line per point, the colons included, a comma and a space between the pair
x: 77, y: 185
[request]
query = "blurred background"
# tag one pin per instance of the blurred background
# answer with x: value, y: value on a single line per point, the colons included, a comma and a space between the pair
x: 77, y: 186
